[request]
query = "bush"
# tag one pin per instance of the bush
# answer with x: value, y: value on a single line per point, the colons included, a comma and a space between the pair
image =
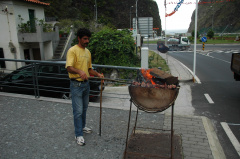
x: 64, y: 25
x: 193, y: 34
x: 210, y: 34
x: 113, y: 47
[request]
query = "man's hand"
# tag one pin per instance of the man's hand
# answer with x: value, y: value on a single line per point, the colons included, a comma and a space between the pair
x: 83, y: 75
x: 95, y: 73
x: 100, y: 75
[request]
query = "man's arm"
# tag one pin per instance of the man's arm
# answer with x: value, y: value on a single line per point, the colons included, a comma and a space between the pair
x: 95, y: 73
x: 81, y: 73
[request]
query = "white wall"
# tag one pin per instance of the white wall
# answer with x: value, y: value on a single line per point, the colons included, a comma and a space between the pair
x: 9, y: 26
x: 22, y: 9
x: 7, y: 23
x: 48, y: 50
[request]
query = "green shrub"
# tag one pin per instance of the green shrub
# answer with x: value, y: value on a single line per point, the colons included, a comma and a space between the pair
x: 64, y: 25
x: 113, y: 47
x: 210, y: 33
x: 28, y: 28
x: 193, y: 34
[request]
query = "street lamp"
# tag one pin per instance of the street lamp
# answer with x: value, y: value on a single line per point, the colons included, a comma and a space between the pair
x: 130, y: 16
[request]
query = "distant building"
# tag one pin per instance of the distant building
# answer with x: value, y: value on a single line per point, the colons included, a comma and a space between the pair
x: 21, y: 35
x: 182, y: 34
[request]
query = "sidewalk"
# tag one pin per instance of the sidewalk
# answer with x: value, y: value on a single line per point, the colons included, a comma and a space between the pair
x: 43, y: 128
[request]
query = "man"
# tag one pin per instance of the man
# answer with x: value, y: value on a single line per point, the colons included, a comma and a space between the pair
x: 79, y: 67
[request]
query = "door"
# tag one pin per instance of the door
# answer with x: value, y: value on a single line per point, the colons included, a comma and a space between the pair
x: 2, y: 63
x: 26, y: 55
x: 36, y: 54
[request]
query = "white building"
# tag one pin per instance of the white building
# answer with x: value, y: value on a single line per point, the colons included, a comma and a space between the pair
x: 34, y: 44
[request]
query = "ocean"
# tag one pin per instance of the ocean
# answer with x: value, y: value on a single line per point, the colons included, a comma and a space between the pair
x: 172, y: 32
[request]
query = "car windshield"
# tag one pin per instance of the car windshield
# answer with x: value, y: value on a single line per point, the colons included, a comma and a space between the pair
x: 185, y: 39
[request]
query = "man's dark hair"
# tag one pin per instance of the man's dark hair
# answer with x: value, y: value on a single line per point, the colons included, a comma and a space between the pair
x: 83, y: 32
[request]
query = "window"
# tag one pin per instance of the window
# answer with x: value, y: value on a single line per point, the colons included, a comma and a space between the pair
x: 185, y: 40
x: 63, y: 70
x: 22, y: 74
x: 50, y: 69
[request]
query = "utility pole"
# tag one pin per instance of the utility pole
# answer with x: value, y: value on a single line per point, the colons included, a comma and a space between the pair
x: 165, y: 3
x: 195, y: 41
x: 136, y: 27
x: 130, y: 16
x: 96, y: 9
x: 212, y: 15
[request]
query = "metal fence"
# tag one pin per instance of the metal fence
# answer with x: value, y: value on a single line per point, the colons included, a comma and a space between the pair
x: 50, y: 78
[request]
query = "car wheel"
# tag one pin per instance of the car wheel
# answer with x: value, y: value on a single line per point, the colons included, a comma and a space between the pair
x: 66, y: 96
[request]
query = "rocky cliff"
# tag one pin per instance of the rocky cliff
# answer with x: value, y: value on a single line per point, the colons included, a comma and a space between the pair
x: 219, y: 15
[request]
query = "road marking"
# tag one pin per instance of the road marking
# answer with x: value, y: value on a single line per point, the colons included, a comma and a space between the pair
x: 233, y: 124
x: 209, y: 98
x: 214, y: 57
x: 232, y: 137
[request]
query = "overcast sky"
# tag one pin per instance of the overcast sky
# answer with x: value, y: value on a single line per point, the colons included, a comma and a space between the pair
x: 181, y: 19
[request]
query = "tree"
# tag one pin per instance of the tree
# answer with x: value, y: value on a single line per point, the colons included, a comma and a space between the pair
x: 210, y: 33
x: 58, y: 8
x: 193, y: 34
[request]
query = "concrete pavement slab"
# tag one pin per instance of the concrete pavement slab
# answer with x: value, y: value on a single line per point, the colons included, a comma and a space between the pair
x: 31, y: 128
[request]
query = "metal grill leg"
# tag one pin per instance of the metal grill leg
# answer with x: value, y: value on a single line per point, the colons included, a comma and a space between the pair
x: 172, y: 131
x: 100, y: 116
x: 129, y: 118
x: 135, y: 122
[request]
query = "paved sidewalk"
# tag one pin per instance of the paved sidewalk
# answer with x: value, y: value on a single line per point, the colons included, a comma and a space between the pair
x: 43, y: 128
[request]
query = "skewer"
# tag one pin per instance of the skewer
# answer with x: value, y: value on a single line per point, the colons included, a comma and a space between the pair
x: 107, y: 79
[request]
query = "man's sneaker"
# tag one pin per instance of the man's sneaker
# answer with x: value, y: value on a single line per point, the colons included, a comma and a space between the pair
x: 87, y: 130
x: 80, y: 140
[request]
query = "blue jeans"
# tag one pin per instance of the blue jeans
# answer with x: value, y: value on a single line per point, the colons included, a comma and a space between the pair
x: 80, y: 100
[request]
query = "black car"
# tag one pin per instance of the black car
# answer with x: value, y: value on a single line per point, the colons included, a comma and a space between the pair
x: 44, y: 79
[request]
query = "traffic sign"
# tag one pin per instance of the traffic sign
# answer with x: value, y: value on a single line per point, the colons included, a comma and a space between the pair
x: 204, y: 39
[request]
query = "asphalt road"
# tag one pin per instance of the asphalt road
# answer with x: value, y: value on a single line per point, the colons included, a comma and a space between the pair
x: 217, y: 97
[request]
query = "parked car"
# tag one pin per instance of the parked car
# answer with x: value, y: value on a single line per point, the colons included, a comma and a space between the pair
x: 50, y: 80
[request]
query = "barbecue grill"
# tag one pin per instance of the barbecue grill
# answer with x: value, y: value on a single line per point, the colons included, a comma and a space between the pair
x: 153, y: 98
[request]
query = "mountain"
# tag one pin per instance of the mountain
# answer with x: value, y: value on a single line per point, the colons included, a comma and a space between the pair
x: 222, y: 16
x: 109, y: 12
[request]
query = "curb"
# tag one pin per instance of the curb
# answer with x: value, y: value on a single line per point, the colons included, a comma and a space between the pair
x: 214, y: 143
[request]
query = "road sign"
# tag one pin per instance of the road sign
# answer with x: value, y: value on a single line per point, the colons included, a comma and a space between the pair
x: 145, y: 26
x: 204, y: 39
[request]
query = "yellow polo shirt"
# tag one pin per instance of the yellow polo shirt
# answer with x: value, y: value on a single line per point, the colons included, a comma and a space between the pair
x: 79, y: 58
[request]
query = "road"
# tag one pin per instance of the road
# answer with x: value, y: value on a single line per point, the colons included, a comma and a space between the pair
x: 217, y: 97
x: 214, y: 47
